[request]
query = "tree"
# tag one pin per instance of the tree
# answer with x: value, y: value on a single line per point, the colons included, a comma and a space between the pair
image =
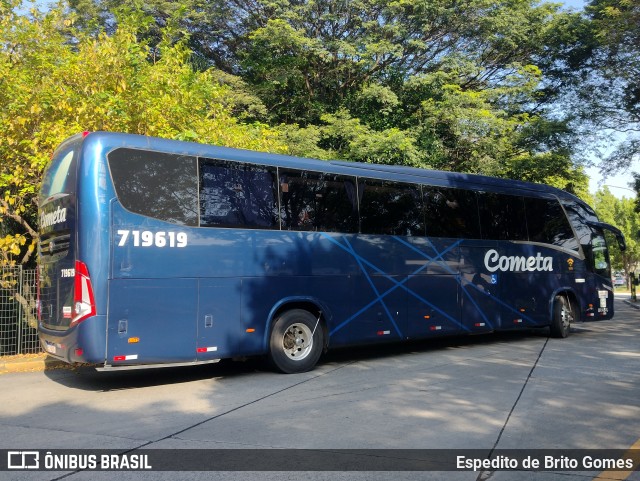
x: 620, y: 213
x: 56, y: 81
x: 600, y: 68
x: 432, y: 83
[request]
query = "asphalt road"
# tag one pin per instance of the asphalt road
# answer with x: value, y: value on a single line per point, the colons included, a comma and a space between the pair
x: 520, y: 391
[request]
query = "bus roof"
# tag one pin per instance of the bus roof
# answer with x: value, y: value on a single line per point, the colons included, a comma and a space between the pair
x: 108, y: 141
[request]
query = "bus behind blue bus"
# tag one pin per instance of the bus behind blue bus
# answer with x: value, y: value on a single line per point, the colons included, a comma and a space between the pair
x: 160, y: 252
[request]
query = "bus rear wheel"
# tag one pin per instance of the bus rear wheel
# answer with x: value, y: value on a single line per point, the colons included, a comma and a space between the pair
x: 296, y: 342
x: 562, y: 317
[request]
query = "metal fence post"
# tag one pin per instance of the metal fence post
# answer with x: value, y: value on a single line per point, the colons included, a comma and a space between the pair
x: 19, y: 322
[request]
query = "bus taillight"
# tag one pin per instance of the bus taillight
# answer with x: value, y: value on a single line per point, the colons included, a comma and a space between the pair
x: 84, y: 303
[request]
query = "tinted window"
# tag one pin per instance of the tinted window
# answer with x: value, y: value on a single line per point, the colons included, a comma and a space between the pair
x: 318, y: 202
x: 578, y: 217
x: 390, y: 208
x: 155, y: 184
x: 502, y: 217
x: 237, y: 195
x: 60, y: 176
x: 600, y: 254
x: 451, y: 212
x: 548, y: 223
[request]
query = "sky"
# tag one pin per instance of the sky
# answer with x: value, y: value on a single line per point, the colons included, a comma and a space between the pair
x: 618, y: 184
x: 575, y: 4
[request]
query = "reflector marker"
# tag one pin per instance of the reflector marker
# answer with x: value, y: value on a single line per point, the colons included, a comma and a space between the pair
x: 129, y: 357
x: 384, y: 333
x: 250, y: 330
x: 435, y: 328
x: 479, y: 324
x: 517, y: 321
x: 207, y: 349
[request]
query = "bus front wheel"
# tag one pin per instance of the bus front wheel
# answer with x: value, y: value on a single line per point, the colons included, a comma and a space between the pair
x: 296, y: 341
x: 562, y: 317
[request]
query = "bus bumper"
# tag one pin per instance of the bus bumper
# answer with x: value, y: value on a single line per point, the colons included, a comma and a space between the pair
x: 76, y: 345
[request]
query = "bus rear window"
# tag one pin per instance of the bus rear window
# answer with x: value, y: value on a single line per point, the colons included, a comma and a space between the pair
x: 60, y: 176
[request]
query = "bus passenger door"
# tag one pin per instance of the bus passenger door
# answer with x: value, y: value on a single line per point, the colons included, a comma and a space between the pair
x: 219, y: 327
x: 480, y: 290
x: 151, y: 321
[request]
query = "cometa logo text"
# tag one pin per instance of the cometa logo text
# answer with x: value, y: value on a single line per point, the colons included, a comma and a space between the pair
x: 493, y: 261
x: 52, y: 218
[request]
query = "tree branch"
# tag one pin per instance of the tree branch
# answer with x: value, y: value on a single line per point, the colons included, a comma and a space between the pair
x: 18, y: 218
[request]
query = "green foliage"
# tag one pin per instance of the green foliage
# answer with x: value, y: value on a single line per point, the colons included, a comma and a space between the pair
x: 601, y: 71
x: 56, y: 81
x: 440, y: 83
x: 620, y: 213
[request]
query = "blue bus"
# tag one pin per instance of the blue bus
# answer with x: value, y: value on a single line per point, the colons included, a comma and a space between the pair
x: 159, y: 252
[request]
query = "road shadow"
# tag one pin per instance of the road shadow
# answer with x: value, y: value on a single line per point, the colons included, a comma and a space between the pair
x: 88, y: 378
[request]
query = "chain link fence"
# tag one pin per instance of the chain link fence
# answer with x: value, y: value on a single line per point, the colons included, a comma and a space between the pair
x: 18, y: 317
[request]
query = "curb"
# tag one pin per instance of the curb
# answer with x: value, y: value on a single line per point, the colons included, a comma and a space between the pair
x: 635, y: 305
x: 32, y: 363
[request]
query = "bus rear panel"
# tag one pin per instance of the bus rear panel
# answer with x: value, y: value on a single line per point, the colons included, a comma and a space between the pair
x: 71, y: 327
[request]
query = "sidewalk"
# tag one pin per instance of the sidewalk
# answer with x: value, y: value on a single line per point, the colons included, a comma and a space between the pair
x: 29, y: 363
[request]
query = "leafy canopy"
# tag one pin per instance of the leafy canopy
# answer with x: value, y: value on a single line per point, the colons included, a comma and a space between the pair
x: 432, y: 83
x: 56, y: 80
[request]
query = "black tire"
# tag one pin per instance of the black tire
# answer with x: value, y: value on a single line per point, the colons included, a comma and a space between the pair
x: 562, y: 317
x: 296, y: 342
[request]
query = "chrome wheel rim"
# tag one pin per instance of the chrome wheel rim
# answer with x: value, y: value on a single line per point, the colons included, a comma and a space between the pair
x: 565, y: 316
x: 297, y: 341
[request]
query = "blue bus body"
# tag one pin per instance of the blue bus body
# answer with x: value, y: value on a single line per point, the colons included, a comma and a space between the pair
x: 124, y: 288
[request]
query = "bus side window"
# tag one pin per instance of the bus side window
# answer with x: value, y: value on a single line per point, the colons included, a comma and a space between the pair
x: 451, y: 213
x: 313, y: 201
x: 579, y: 217
x: 156, y: 184
x: 502, y: 216
x: 390, y: 208
x: 600, y: 255
x: 547, y: 223
x: 237, y: 195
